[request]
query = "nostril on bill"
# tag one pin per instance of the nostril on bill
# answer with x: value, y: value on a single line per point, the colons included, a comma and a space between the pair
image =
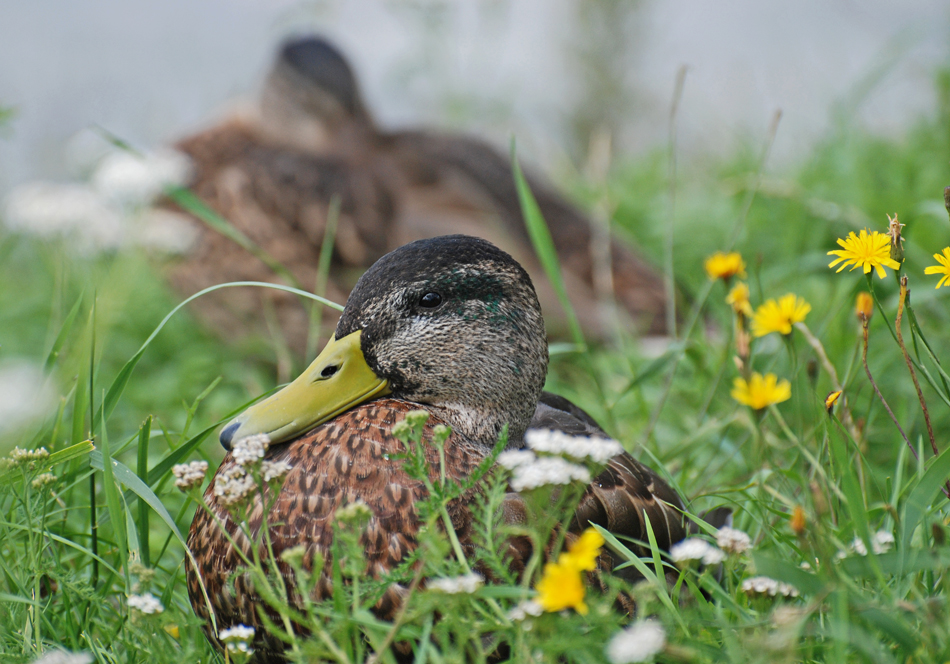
x: 227, y: 434
x: 329, y: 371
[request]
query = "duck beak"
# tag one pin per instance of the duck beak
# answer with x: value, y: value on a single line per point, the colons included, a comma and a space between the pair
x: 337, y: 380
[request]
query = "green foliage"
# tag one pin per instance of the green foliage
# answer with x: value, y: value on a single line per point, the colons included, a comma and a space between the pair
x: 148, y: 390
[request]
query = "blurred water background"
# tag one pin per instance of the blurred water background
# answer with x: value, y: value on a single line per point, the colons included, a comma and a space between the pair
x: 546, y: 71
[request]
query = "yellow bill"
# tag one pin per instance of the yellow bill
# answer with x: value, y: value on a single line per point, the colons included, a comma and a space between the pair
x: 336, y: 381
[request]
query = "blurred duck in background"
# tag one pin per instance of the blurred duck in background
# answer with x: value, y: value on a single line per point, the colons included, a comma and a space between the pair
x: 310, y: 145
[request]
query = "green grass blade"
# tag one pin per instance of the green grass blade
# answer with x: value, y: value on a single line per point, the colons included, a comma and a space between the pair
x: 113, y: 503
x: 920, y: 498
x: 64, y: 331
x: 122, y: 379
x: 544, y: 247
x: 142, y: 468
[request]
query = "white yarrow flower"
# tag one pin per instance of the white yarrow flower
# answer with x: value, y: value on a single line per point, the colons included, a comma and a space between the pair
x: 696, y: 549
x: 764, y: 586
x: 64, y: 657
x: 46, y: 209
x: 250, y: 449
x: 511, y: 459
x: 580, y: 448
x: 233, y: 486
x: 237, y: 638
x: 639, y: 642
x: 525, y: 608
x: 881, y: 542
x: 731, y: 540
x: 547, y: 470
x: 42, y: 480
x: 146, y: 603
x: 274, y: 470
x: 190, y: 475
x: 456, y: 585
x: 131, y: 179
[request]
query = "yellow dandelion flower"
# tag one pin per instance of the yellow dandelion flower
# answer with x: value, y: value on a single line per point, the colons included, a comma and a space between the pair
x: 725, y: 266
x: 738, y: 298
x: 867, y: 250
x: 779, y: 316
x: 831, y: 400
x: 864, y: 306
x: 561, y: 587
x: 582, y: 554
x: 760, y: 392
x: 942, y: 269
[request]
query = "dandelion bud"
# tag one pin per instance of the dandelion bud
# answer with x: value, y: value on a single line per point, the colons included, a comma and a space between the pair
x: 864, y: 306
x: 897, y: 242
x: 797, y: 522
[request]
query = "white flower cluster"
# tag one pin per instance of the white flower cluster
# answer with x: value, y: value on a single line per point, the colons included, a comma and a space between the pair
x: 146, y: 603
x: 696, y: 549
x: 250, y: 450
x: 20, y: 456
x: 188, y: 475
x: 764, y: 586
x: 734, y: 541
x: 580, y: 448
x: 467, y: 583
x: 237, y: 638
x: 97, y: 215
x: 131, y: 179
x: 639, y: 642
x: 274, y: 470
x: 64, y: 657
x: 881, y: 542
x: 42, y: 480
x: 542, y: 471
x: 525, y: 608
x: 233, y: 485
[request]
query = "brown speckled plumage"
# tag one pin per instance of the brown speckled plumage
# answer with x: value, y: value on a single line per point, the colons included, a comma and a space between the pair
x: 475, y: 362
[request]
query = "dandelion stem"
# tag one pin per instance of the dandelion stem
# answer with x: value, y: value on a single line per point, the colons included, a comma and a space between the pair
x: 904, y: 297
x: 829, y: 368
x: 867, y: 370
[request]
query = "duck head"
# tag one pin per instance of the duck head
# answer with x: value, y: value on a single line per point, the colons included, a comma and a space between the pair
x: 452, y: 323
x: 311, y: 96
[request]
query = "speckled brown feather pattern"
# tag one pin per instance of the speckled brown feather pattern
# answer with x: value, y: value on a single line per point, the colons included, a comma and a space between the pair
x: 347, y: 459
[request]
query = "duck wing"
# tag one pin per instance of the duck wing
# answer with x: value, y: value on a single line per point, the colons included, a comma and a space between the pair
x: 623, y: 492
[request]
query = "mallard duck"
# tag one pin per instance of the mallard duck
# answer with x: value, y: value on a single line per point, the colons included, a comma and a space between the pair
x: 272, y: 171
x: 451, y: 325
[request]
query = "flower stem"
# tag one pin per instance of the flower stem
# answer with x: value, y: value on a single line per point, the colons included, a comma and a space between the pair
x: 904, y: 297
x: 864, y: 361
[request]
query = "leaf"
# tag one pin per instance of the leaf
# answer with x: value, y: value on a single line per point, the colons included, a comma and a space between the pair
x: 116, y: 514
x: 66, y: 454
x: 122, y: 379
x: 544, y: 247
x: 61, y: 337
x: 922, y: 495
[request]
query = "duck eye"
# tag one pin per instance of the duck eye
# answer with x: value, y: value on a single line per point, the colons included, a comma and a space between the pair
x: 430, y: 300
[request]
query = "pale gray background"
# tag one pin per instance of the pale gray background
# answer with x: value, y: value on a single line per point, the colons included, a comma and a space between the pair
x: 149, y: 71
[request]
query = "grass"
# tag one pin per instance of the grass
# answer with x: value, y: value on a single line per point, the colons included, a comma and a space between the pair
x: 73, y: 550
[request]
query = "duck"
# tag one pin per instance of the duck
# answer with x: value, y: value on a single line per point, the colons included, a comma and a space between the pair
x: 272, y: 170
x: 451, y: 326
